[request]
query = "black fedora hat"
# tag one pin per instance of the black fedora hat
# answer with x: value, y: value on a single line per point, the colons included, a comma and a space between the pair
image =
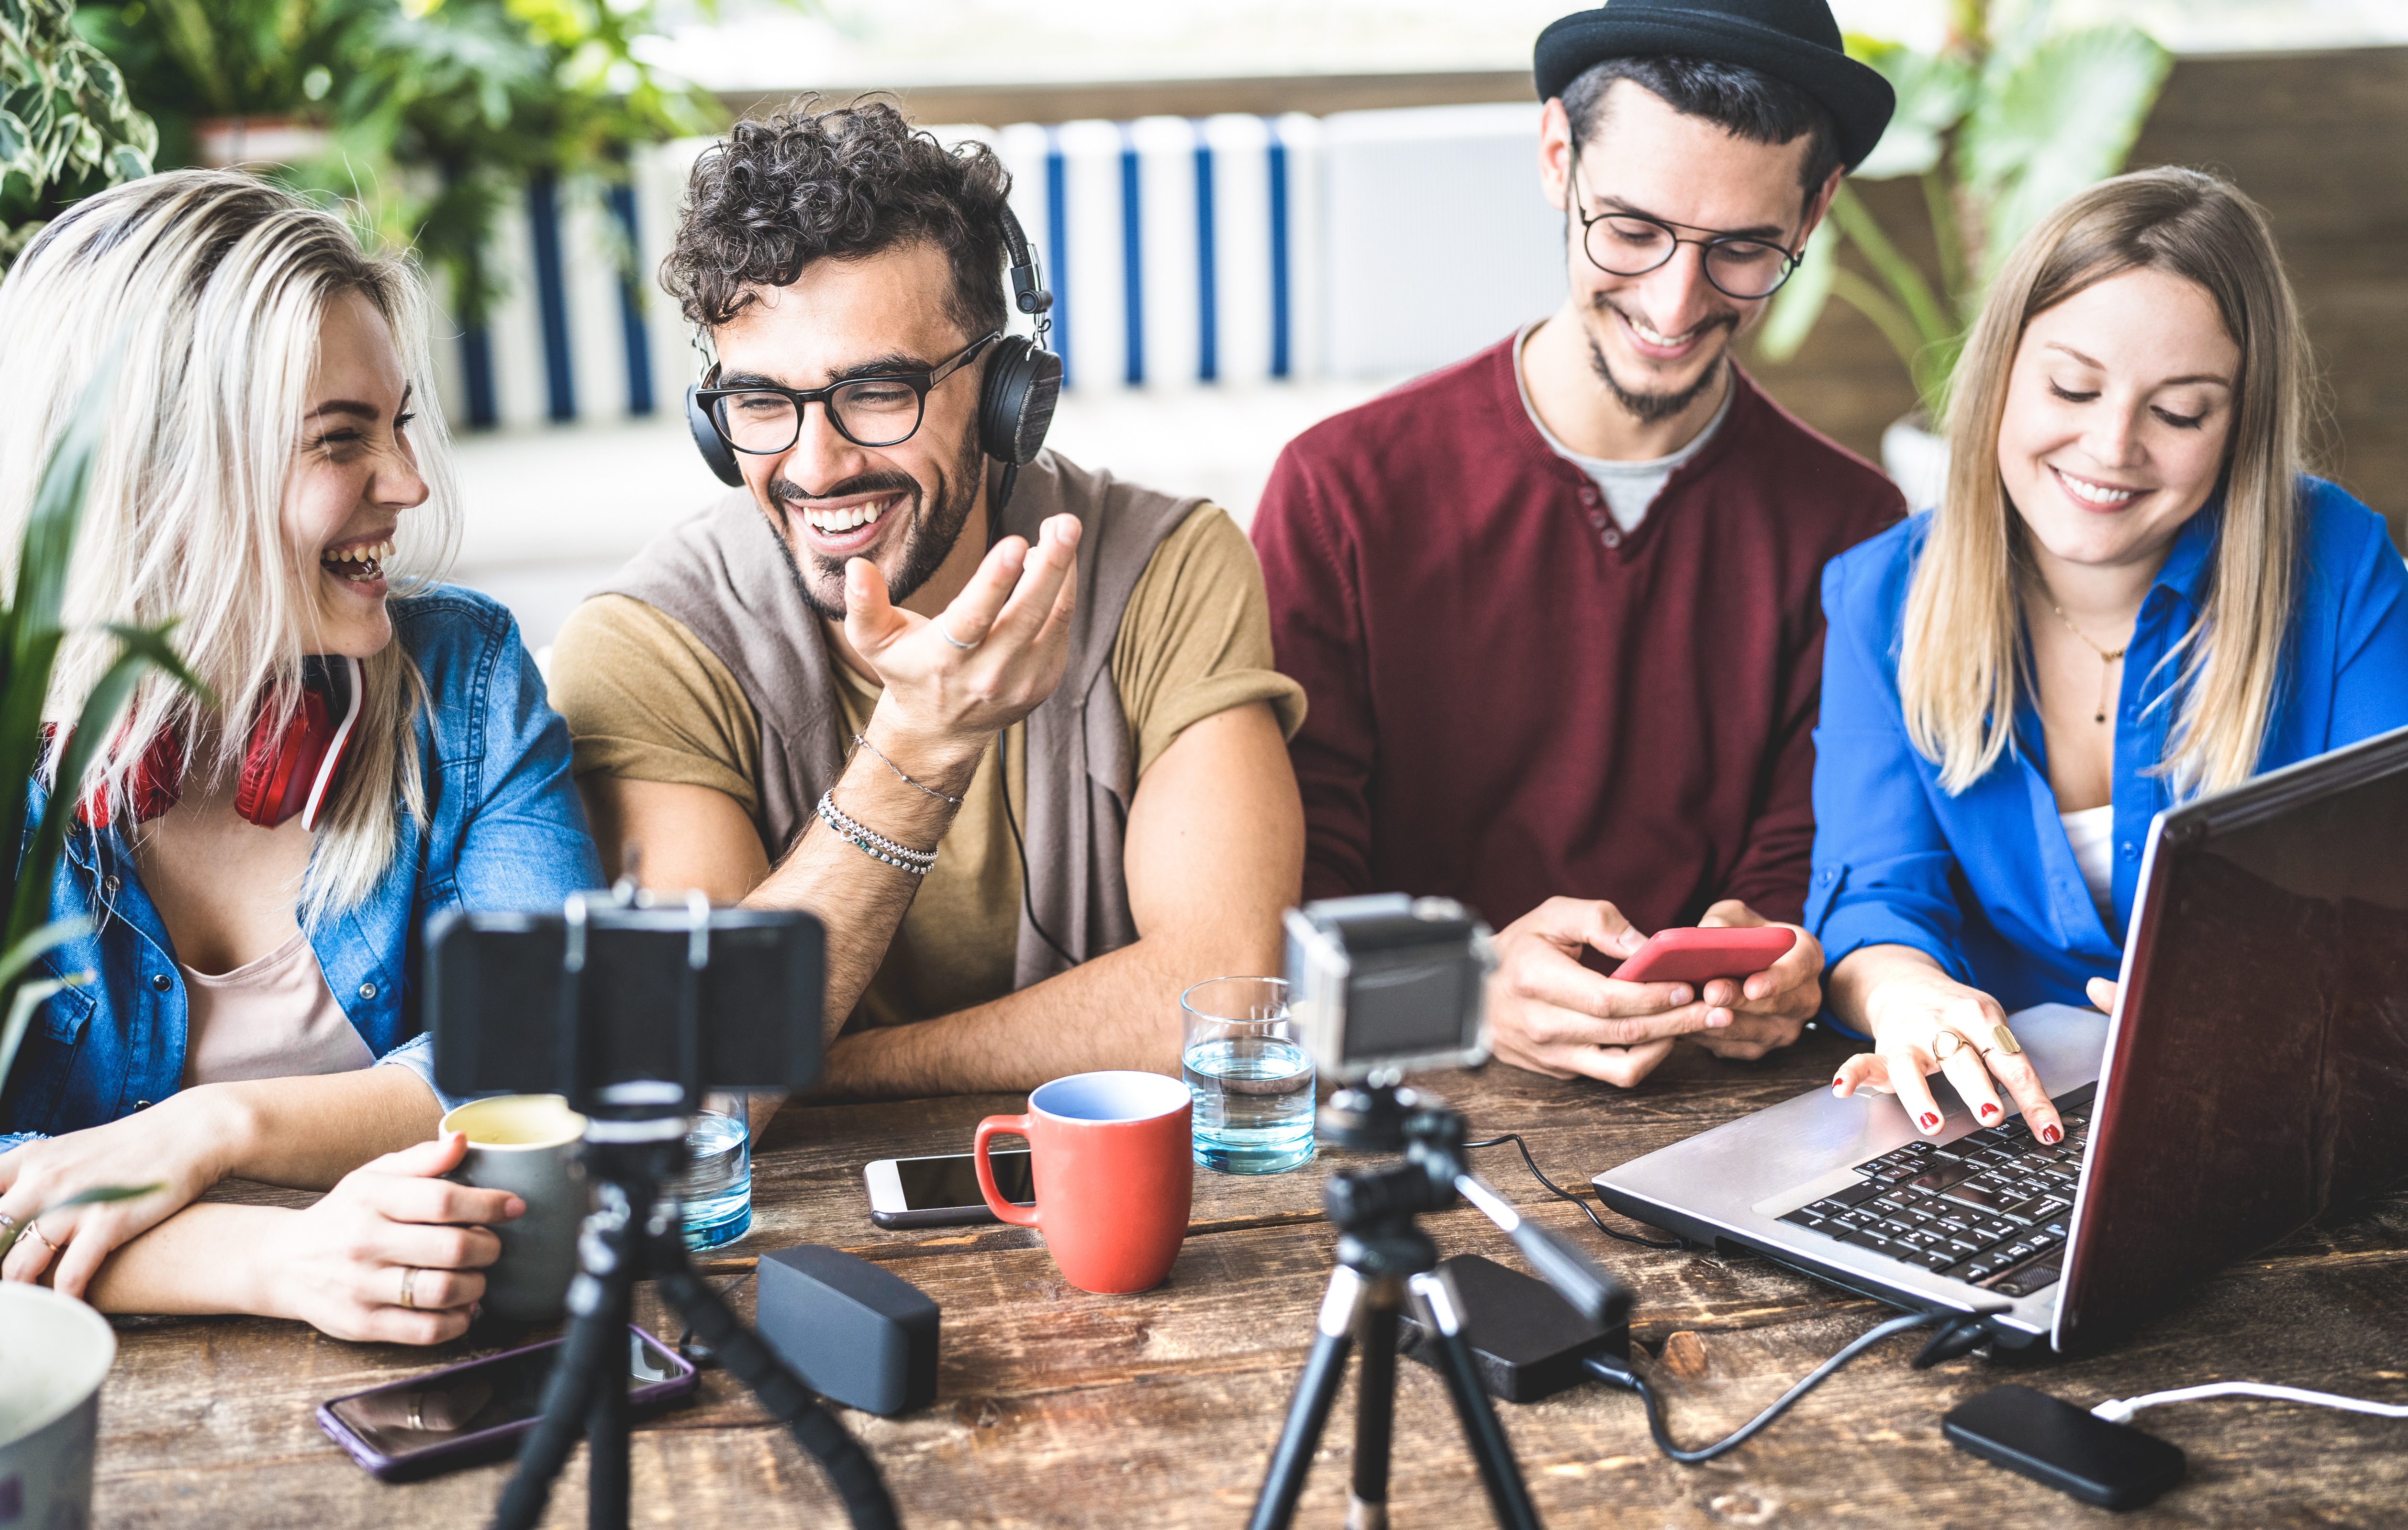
x: 1795, y: 40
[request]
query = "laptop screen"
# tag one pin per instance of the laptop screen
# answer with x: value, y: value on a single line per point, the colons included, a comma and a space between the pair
x: 2257, y: 1072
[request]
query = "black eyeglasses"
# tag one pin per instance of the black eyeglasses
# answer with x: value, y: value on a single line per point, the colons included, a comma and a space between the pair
x: 764, y: 420
x: 1631, y: 244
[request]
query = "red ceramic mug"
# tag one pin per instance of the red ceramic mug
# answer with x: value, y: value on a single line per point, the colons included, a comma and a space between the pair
x: 1109, y: 1160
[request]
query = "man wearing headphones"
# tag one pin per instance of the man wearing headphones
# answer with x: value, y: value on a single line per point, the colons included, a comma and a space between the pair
x: 1008, y: 725
x: 1555, y: 606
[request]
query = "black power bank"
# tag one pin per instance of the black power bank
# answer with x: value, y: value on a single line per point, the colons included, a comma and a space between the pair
x: 2112, y: 1465
x: 1526, y: 1342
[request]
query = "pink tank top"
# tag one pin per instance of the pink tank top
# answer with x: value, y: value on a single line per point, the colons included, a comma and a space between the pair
x: 273, y: 1017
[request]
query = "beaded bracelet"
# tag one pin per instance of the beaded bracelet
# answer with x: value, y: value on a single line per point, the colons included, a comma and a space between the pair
x: 871, y: 843
x: 863, y: 740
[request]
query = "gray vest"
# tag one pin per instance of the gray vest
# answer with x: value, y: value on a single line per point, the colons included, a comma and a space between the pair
x: 723, y: 575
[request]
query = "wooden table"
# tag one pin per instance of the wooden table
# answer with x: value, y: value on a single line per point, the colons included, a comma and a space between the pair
x: 1056, y: 1408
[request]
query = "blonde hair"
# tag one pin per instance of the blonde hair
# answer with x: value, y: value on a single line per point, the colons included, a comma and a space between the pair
x: 1962, y: 659
x: 209, y: 288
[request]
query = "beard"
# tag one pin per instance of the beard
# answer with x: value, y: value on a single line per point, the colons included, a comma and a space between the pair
x: 936, y: 519
x: 1650, y: 407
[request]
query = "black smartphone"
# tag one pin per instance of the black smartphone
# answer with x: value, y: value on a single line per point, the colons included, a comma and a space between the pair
x: 2113, y: 1465
x: 477, y: 1410
x: 942, y: 1192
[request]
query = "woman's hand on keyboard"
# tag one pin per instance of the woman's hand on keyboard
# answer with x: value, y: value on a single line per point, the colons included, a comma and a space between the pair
x: 1912, y: 1008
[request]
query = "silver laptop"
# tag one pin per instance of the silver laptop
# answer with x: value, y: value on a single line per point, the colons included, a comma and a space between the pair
x: 2254, y: 1074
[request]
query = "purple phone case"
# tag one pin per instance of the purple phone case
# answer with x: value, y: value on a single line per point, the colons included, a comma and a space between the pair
x: 485, y: 1444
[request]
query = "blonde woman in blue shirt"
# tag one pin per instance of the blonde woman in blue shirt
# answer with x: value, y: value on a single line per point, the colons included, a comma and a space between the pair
x: 251, y: 950
x: 2131, y: 594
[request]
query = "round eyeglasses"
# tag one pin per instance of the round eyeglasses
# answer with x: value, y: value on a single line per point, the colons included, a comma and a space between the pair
x: 762, y: 419
x: 1631, y: 244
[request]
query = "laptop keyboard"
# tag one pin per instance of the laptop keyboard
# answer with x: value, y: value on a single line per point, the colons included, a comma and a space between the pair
x: 1990, y: 1207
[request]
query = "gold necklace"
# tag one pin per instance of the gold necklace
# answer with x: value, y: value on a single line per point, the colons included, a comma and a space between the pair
x: 2106, y: 661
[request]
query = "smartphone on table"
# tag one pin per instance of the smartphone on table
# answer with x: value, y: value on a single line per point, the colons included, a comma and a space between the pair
x: 942, y: 1192
x: 1701, y: 955
x: 477, y: 1410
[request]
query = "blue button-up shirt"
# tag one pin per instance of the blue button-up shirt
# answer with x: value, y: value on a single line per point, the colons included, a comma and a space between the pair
x: 1985, y: 881
x: 505, y: 831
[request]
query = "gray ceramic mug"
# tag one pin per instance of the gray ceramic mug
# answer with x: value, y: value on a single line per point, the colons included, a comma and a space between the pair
x: 527, y: 1144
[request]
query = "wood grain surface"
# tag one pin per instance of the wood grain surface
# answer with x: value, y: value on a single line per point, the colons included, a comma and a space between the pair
x: 1057, y: 1407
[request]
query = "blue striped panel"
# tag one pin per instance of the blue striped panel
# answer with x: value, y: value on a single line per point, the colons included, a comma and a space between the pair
x: 1057, y: 247
x: 551, y: 294
x: 1207, y: 320
x: 1279, y: 251
x: 631, y: 309
x: 1132, y: 262
x: 477, y: 371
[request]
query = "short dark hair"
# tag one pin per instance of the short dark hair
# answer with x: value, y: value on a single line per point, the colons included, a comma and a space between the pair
x: 853, y: 180
x: 1746, y: 103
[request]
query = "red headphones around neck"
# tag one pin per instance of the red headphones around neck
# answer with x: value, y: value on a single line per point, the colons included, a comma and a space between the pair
x: 287, y: 772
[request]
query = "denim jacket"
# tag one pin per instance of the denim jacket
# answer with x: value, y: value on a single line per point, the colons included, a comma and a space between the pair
x: 505, y: 831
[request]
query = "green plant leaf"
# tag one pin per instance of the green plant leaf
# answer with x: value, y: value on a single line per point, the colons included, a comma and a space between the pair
x: 1934, y: 92
x: 100, y: 1196
x: 28, y: 947
x: 145, y: 648
x: 21, y: 1004
x: 1801, y: 300
x: 2062, y: 118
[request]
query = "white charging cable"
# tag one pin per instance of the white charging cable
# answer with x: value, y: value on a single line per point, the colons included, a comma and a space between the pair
x: 2121, y: 1411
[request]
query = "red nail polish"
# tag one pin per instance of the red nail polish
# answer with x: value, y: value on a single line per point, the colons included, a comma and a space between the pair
x: 1989, y: 1110
x: 2051, y: 1135
x: 1930, y: 1122
x: 1837, y: 1082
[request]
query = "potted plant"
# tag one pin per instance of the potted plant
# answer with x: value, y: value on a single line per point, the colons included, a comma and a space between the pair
x: 55, y: 1350
x: 2000, y: 124
x: 427, y: 114
x: 67, y: 127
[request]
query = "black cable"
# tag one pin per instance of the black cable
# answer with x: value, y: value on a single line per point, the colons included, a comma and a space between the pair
x: 1614, y: 1371
x: 1565, y: 1194
x: 1027, y: 898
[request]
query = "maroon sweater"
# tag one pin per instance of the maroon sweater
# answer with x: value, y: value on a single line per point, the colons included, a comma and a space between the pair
x: 1512, y: 699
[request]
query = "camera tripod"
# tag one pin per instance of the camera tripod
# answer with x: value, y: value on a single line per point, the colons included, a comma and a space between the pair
x: 635, y: 1144
x: 1383, y: 1256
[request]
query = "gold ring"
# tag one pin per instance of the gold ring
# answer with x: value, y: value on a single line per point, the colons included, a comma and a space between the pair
x: 409, y: 1278
x: 2006, y: 1039
x: 35, y: 1228
x: 417, y: 1419
x: 1939, y: 1056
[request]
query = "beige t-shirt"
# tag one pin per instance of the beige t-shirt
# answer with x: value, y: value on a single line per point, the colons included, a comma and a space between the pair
x: 270, y: 1017
x: 647, y: 700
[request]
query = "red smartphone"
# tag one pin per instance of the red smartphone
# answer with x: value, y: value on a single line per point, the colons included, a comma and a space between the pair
x: 1699, y: 956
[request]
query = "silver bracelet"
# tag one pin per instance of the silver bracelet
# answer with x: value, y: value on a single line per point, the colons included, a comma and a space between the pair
x: 871, y: 843
x: 862, y: 739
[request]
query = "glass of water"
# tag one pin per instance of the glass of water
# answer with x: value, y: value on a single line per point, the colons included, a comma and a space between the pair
x: 716, y: 1193
x: 1249, y: 1075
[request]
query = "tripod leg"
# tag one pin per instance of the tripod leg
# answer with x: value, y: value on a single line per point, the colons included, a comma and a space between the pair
x: 740, y: 1350
x: 1375, y: 1405
x: 1315, y: 1390
x: 593, y: 1352
x: 606, y: 1469
x: 1498, y: 1472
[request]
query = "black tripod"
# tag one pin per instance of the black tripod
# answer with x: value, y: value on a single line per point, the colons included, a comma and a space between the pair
x: 636, y: 1143
x: 1383, y: 1254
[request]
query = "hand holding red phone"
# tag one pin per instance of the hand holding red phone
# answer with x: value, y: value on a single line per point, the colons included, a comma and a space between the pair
x: 1767, y: 1008
x: 1550, y: 1015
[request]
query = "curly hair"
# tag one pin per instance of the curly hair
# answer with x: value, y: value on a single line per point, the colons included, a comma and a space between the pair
x: 811, y: 185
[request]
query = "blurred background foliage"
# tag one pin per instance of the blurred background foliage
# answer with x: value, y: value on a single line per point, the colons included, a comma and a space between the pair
x: 424, y: 115
x: 2009, y: 117
x: 67, y: 127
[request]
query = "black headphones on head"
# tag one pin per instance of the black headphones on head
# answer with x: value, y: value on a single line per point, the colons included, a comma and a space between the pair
x: 1023, y: 383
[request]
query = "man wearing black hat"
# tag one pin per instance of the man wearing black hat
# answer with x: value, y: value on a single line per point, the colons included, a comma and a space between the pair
x: 1555, y: 608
